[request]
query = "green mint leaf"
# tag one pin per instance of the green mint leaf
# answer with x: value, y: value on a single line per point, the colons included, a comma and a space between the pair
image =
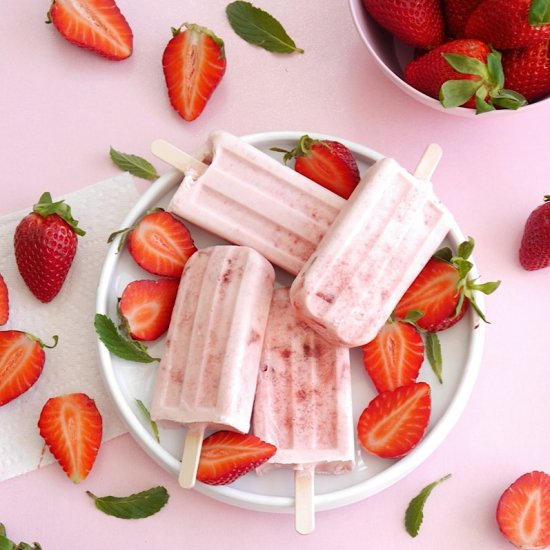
x: 466, y: 65
x: 259, y: 27
x: 454, y: 93
x: 136, y: 506
x: 119, y: 345
x: 45, y: 207
x: 137, y: 166
x: 414, y: 514
x: 147, y: 415
x: 433, y: 353
x: 539, y: 13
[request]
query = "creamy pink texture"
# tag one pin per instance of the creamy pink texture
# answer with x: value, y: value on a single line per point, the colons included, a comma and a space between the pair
x: 209, y: 366
x: 377, y: 245
x: 303, y: 398
x: 251, y: 199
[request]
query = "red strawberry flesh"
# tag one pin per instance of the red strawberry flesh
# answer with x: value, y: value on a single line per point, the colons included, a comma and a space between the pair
x: 395, y: 421
x: 226, y: 456
x: 523, y: 511
x: 72, y: 427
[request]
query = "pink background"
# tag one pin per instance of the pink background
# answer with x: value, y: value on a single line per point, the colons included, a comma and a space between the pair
x: 61, y: 108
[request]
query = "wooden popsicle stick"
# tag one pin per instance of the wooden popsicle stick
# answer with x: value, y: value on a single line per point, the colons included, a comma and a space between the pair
x: 177, y: 158
x: 304, y: 506
x: 428, y: 162
x: 191, y: 455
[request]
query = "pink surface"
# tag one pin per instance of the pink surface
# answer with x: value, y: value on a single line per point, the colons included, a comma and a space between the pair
x: 63, y: 107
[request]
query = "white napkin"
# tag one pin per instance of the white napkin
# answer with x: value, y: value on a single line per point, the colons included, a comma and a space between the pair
x: 73, y: 366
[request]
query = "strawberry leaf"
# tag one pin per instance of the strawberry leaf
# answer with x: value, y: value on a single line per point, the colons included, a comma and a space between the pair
x: 117, y: 344
x: 466, y: 248
x: 482, y: 105
x: 539, y: 13
x: 147, y: 415
x: 136, y: 506
x: 494, y: 66
x: 445, y: 254
x: 46, y: 207
x: 433, y: 353
x: 414, y: 514
x: 137, y: 166
x: 7, y: 544
x: 509, y: 99
x: 454, y: 93
x: 258, y: 27
x: 465, y: 64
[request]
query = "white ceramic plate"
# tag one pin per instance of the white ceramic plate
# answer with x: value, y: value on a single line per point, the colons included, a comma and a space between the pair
x: 273, y: 492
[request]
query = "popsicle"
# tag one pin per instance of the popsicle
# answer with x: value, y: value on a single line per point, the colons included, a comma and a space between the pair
x: 377, y: 245
x: 247, y: 197
x: 209, y: 367
x: 303, y: 404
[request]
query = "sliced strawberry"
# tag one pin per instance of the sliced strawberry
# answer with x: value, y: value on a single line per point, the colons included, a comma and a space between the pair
x: 395, y: 421
x: 146, y: 307
x: 4, y: 302
x: 326, y: 162
x: 226, y: 456
x: 523, y: 511
x: 443, y: 290
x: 72, y: 427
x: 21, y: 362
x: 194, y: 64
x: 159, y: 243
x: 395, y: 356
x: 96, y: 25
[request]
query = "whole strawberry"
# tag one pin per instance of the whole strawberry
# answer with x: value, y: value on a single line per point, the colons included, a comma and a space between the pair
x: 463, y: 72
x: 509, y: 24
x: 527, y: 70
x: 534, y: 251
x: 418, y: 23
x: 45, y: 244
x: 457, y: 13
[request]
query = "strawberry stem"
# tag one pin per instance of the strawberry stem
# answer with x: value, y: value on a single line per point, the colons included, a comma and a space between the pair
x: 55, y: 339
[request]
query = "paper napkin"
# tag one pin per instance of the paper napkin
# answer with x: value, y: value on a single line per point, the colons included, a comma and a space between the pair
x: 73, y: 366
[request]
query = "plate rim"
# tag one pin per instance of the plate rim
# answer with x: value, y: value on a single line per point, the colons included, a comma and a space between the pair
x: 273, y: 503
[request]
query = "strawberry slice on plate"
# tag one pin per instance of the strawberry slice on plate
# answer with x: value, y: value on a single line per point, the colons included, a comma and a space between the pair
x: 71, y: 426
x: 194, y: 64
x: 395, y: 355
x: 226, y: 456
x: 159, y: 243
x: 146, y: 307
x: 97, y: 25
x: 523, y: 511
x: 4, y: 302
x: 395, y: 421
x: 327, y: 162
x: 22, y: 359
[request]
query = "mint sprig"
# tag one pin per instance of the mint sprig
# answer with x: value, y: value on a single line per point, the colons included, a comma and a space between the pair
x: 135, y: 506
x: 137, y: 166
x: 414, y: 515
x: 7, y: 544
x: 118, y: 344
x: 258, y: 27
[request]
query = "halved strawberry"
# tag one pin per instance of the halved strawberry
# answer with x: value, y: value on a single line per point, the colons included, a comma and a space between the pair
x: 395, y: 356
x: 4, y: 302
x: 523, y: 511
x: 194, y: 64
x: 96, y: 25
x: 72, y: 427
x: 226, y: 456
x: 395, y: 421
x: 146, y: 307
x: 328, y: 163
x: 159, y: 243
x: 22, y: 359
x: 443, y: 290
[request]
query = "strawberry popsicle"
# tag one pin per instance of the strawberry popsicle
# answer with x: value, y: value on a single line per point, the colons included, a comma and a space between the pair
x: 379, y: 242
x: 247, y: 197
x: 208, y: 371
x: 303, y: 403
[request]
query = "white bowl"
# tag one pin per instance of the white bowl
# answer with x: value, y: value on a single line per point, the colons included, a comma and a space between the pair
x: 274, y: 492
x: 392, y: 56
